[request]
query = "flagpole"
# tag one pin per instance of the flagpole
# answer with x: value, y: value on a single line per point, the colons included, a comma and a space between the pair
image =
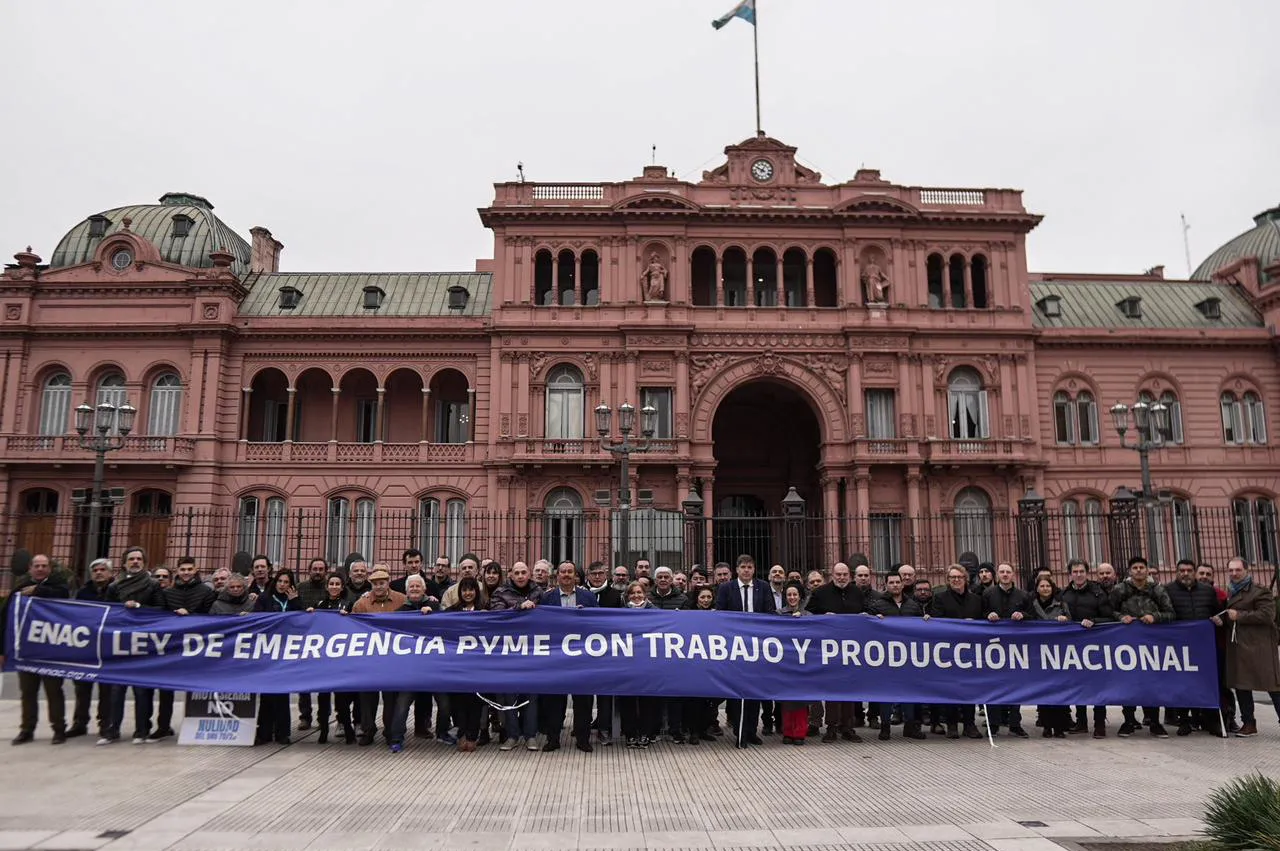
x: 755, y: 44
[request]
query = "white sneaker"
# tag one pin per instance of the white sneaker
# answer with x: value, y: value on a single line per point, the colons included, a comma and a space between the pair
x: 531, y: 744
x: 105, y: 741
x: 139, y: 740
x: 509, y: 745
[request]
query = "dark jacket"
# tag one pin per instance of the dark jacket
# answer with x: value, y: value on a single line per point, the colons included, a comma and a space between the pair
x: 342, y: 604
x: 1197, y: 603
x: 433, y: 590
x: 729, y: 597
x: 585, y: 598
x: 673, y: 600
x: 1050, y: 611
x: 145, y: 593
x: 1005, y: 603
x: 883, y: 604
x: 1128, y: 599
x: 608, y: 597
x: 51, y: 588
x: 508, y: 596
x: 272, y: 603
x: 410, y: 606
x: 1089, y: 603
x: 949, y: 604
x: 194, y: 596
x: 228, y: 605
x: 830, y: 599
x: 93, y: 592
x: 356, y: 592
x: 311, y: 593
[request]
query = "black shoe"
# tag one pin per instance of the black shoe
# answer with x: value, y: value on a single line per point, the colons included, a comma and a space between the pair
x: 742, y: 746
x: 1158, y: 731
x: 677, y: 739
x: 160, y: 734
x: 813, y: 730
x: 1127, y: 729
x: 768, y: 730
x: 953, y: 731
x: 484, y: 739
x: 850, y: 736
x: 304, y: 723
x: 283, y: 740
x: 913, y: 731
x: 364, y: 741
x: 1100, y: 731
x: 1080, y: 727
x: 693, y: 740
x: 1047, y: 734
x: 1059, y: 734
x: 885, y: 733
x: 938, y: 730
x: 1019, y: 732
x: 1184, y: 729
x: 583, y: 745
x: 706, y: 737
x: 753, y: 740
x: 553, y: 744
x: 971, y: 731
x: 22, y: 739
x: 324, y: 735
x: 349, y: 733
x: 77, y: 730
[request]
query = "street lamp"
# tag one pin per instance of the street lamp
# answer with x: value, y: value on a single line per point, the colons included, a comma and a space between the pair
x: 1151, y: 425
x: 102, y: 430
x: 623, y: 449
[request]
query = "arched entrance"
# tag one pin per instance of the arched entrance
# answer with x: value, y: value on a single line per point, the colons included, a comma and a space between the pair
x: 766, y: 439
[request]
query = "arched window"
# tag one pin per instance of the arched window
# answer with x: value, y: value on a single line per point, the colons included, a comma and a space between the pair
x: 764, y: 274
x: 427, y: 538
x: 1243, y: 421
x: 935, y: 272
x: 262, y: 530
x: 1175, y: 531
x: 956, y: 279
x: 967, y: 405
x: 702, y: 276
x: 978, y: 272
x: 112, y: 391
x: 343, y: 536
x: 1170, y: 400
x: 590, y: 278
x: 165, y: 406
x: 566, y: 279
x: 55, y: 404
x: 542, y: 279
x: 564, y: 527
x: 1255, y: 522
x: 1232, y: 426
x: 1082, y: 530
x: 1087, y: 418
x: 455, y: 529
x: 794, y: 271
x: 733, y: 270
x: 974, y: 524
x: 1064, y: 420
x: 441, y: 532
x: 826, y: 279
x: 566, y: 400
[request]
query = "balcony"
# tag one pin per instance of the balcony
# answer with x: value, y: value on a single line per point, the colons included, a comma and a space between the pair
x: 65, y: 449
x: 586, y: 451
x: 974, y: 451
x: 355, y: 453
x: 878, y: 450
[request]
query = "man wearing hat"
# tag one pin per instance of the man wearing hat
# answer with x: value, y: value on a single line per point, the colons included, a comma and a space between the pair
x: 380, y: 600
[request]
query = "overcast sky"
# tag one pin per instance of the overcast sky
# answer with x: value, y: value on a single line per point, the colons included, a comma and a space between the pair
x: 365, y: 134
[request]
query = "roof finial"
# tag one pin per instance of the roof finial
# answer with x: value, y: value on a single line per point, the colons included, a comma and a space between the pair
x: 127, y: 221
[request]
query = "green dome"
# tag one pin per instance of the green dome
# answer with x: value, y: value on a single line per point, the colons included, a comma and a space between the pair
x: 1262, y: 242
x: 155, y: 223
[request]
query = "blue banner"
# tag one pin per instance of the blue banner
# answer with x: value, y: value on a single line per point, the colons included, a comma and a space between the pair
x: 621, y: 651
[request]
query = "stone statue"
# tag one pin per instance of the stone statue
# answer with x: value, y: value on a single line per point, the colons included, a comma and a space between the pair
x: 654, y: 279
x: 877, y: 283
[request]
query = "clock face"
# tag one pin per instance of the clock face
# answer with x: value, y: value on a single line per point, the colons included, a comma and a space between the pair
x: 762, y: 170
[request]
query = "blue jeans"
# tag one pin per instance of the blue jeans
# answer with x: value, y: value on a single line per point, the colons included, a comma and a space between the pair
x: 520, y: 723
x: 142, y: 701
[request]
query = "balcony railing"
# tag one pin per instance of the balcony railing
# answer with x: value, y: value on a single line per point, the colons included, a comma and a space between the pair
x: 352, y: 453
x: 884, y: 449
x: 64, y: 448
x: 972, y: 450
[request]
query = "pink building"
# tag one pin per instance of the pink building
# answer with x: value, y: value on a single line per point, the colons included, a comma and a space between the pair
x: 881, y: 348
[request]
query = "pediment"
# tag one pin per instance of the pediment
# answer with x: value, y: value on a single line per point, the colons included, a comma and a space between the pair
x: 874, y: 204
x: 656, y: 201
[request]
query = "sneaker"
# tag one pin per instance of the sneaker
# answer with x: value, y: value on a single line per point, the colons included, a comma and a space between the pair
x: 138, y: 739
x: 59, y: 738
x: 1100, y: 731
x: 850, y: 736
x: 531, y: 744
x: 159, y: 735
x: 446, y: 739
x: 1127, y: 729
x: 677, y: 739
x: 604, y: 738
x: 509, y: 745
x: 830, y: 736
x: 107, y: 740
x: 644, y: 742
x: 1247, y: 730
x: 971, y: 731
x: 1158, y: 730
x: 1018, y: 732
x: 396, y: 747
x: 953, y: 732
x: 76, y: 731
x: 1080, y: 727
x: 304, y: 723
x: 1184, y: 729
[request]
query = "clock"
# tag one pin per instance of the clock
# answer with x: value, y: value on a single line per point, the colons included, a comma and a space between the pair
x: 762, y: 170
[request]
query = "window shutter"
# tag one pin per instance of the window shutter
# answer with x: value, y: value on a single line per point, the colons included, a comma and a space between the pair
x: 1175, y: 419
x: 984, y: 424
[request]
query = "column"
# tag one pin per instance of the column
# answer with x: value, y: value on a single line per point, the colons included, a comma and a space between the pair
x: 862, y: 477
x: 808, y: 282
x: 579, y: 295
x: 379, y: 414
x: 904, y: 406
x: 778, y: 296
x: 522, y: 395
x: 913, y: 514
x: 471, y: 415
x: 930, y: 395
x: 426, y: 414
x: 631, y: 391
x: 968, y: 282
x: 853, y: 390
x: 682, y: 396
x: 946, y: 281
x: 1009, y: 406
x: 555, y: 277
x: 751, y: 280
x: 830, y: 520
x: 289, y: 412
x: 246, y: 396
x: 717, y: 284
x: 708, y: 513
x: 333, y: 418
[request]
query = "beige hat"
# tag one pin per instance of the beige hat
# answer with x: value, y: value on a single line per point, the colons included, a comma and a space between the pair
x: 379, y: 573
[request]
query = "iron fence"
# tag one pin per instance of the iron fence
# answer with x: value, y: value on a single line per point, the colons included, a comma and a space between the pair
x: 1030, y: 539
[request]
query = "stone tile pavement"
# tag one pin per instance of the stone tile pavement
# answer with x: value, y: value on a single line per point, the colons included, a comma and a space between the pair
x: 876, y: 796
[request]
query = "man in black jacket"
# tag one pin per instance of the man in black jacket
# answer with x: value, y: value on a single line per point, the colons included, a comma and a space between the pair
x: 1089, y: 604
x: 608, y: 597
x: 957, y: 602
x: 95, y: 590
x: 38, y: 582
x: 1193, y: 600
x: 897, y: 602
x: 840, y: 596
x: 1006, y: 601
x: 186, y: 596
x: 134, y: 589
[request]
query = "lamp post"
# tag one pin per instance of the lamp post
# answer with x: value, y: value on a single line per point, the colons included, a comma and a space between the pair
x: 102, y: 430
x: 623, y: 449
x: 1151, y: 426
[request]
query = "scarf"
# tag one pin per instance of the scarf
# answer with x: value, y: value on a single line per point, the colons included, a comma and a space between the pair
x: 1234, y: 588
x: 643, y: 604
x: 131, y: 585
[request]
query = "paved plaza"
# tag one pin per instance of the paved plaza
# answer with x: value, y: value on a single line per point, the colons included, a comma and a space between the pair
x: 901, y: 795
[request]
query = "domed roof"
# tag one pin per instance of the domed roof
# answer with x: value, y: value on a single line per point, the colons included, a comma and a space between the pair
x: 1262, y: 242
x: 155, y: 223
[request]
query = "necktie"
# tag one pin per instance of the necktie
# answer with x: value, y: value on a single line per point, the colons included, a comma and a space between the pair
x: 746, y: 598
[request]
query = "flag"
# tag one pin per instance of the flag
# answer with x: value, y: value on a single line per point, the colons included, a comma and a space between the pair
x: 745, y: 10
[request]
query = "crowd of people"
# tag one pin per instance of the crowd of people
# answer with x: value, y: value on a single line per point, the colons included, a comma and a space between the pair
x: 1243, y: 613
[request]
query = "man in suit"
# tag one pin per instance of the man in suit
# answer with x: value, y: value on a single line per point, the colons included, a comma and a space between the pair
x: 569, y: 595
x: 750, y: 595
x: 607, y: 597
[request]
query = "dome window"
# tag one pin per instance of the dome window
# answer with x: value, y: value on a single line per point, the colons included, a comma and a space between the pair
x: 1211, y: 308
x: 182, y: 225
x: 289, y: 297
x: 373, y: 297
x: 458, y: 297
x: 1131, y: 307
x: 98, y: 226
x: 1050, y: 306
x: 121, y: 259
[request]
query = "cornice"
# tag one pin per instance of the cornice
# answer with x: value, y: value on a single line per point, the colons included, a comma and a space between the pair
x: 1024, y: 222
